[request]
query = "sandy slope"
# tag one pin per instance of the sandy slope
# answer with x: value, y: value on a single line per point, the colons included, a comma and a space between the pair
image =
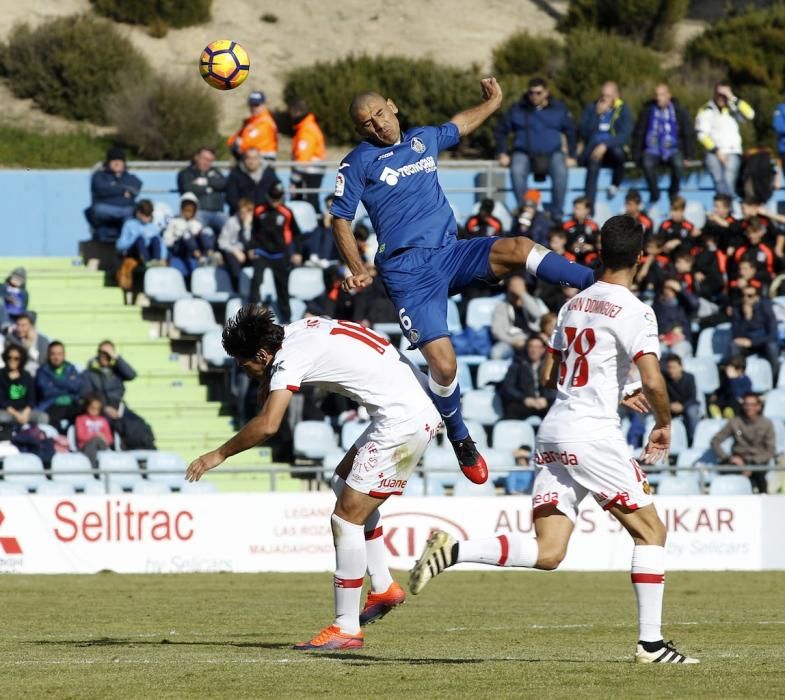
x: 458, y: 32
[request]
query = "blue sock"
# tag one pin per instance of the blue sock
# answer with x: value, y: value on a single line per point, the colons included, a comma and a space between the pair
x: 550, y: 267
x: 447, y: 400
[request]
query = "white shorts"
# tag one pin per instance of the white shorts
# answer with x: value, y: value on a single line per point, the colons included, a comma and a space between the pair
x: 568, y: 471
x: 388, y: 453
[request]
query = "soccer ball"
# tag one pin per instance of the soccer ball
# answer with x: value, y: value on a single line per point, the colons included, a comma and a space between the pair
x: 224, y: 64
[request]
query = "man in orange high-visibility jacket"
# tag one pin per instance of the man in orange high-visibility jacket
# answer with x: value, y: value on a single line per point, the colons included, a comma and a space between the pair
x: 258, y: 131
x: 308, y: 152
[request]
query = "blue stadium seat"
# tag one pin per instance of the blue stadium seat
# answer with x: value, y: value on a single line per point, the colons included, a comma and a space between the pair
x: 416, y: 486
x: 730, y: 485
x: 464, y: 488
x: 167, y: 468
x: 511, y: 434
x: 71, y: 461
x: 695, y: 213
x: 499, y: 463
x: 519, y: 482
x: 464, y: 376
x: 297, y: 308
x: 491, y: 372
x: 713, y: 342
x: 759, y: 372
x: 304, y: 215
x: 682, y: 485
x: 213, y: 351
x: 330, y: 461
x: 779, y: 432
x: 690, y: 457
x: 211, y: 283
x: 11, y: 489
x: 482, y: 406
x: 313, y: 439
x: 306, y: 283
x: 123, y: 469
x: 705, y: 431
x: 454, y: 324
x: 31, y: 470
x: 679, y: 440
x: 232, y: 307
x: 55, y: 488
x: 479, y: 312
x: 602, y: 211
x: 164, y: 285
x: 775, y: 404
x: 151, y: 488
x: 443, y: 459
x: 477, y: 432
x: 350, y: 431
x: 194, y: 317
x: 704, y: 369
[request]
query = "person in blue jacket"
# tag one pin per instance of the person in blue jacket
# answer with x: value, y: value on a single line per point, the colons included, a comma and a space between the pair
x: 537, y: 122
x: 113, y: 191
x: 57, y: 388
x: 778, y: 124
x: 605, y: 128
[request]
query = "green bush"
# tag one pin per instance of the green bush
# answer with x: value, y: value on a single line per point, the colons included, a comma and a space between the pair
x: 163, y: 117
x: 69, y: 65
x: 648, y: 21
x: 155, y: 13
x: 33, y: 149
x: 524, y: 54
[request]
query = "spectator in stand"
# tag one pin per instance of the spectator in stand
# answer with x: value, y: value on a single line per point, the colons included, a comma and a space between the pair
x: 93, y: 430
x: 530, y: 220
x: 676, y: 229
x: 778, y: 124
x: 663, y: 136
x: 522, y: 392
x: 654, y: 269
x: 734, y: 385
x: 515, y: 318
x: 754, y: 329
x: 633, y: 206
x: 752, y: 247
x: 754, y: 441
x: 776, y: 233
x: 674, y: 308
x: 605, y: 128
x: 722, y: 224
x: 547, y: 324
x: 682, y: 394
x: 15, y: 296
x: 749, y: 275
x: 582, y: 231
x: 24, y: 333
x: 275, y: 243
x: 17, y: 392
x: 319, y: 246
x: 113, y: 190
x: 259, y: 131
x: 208, y: 184
x: 483, y: 223
x: 57, y: 388
x: 308, y: 151
x: 139, y: 242
x: 717, y: 128
x: 189, y: 243
x: 249, y: 179
x: 234, y: 241
x: 105, y: 375
x: 710, y: 266
x: 537, y: 123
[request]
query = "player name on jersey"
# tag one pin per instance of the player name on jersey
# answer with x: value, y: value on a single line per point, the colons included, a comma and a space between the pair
x: 595, y: 306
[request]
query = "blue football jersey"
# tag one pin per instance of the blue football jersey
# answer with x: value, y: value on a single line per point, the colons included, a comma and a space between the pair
x: 399, y: 188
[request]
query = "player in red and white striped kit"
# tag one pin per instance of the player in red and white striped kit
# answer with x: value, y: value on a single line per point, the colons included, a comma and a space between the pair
x: 351, y: 360
x: 580, y: 446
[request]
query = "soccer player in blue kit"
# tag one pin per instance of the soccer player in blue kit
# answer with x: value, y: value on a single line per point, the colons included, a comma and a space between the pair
x: 420, y: 260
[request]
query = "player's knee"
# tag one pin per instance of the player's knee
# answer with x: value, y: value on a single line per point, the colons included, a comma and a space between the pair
x: 549, y: 558
x: 443, y: 370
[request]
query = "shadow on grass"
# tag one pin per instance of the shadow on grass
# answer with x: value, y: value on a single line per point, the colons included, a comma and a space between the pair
x: 118, y: 642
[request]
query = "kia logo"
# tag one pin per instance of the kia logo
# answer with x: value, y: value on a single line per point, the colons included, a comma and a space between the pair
x: 405, y: 534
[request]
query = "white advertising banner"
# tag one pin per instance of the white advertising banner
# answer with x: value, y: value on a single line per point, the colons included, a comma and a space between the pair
x: 291, y: 532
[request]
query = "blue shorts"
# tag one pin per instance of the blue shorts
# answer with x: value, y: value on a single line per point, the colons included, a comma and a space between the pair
x: 420, y: 280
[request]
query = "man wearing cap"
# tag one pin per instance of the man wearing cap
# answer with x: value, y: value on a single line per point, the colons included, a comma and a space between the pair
x: 258, y: 131
x: 530, y: 220
x: 114, y: 191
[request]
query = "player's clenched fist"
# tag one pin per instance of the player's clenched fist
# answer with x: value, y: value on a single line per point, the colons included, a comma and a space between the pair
x: 202, y: 464
x: 491, y: 90
x: 357, y: 282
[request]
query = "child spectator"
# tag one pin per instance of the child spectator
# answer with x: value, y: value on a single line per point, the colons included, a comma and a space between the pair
x: 557, y: 242
x: 234, y: 240
x: 93, y: 430
x: 483, y: 223
x: 139, y: 244
x: 17, y: 391
x: 530, y: 220
x: 633, y: 206
x: 15, y: 295
x: 710, y: 266
x: 653, y: 270
x: 734, y: 384
x: 722, y: 225
x: 190, y: 244
x: 753, y: 246
x: 677, y: 230
x: 581, y: 230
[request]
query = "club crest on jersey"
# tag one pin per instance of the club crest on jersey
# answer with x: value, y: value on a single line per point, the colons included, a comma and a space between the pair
x: 340, y: 183
x: 414, y: 335
x: 276, y: 366
x: 417, y: 145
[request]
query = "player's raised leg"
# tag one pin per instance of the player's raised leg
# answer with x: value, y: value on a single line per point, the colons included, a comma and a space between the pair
x: 518, y: 253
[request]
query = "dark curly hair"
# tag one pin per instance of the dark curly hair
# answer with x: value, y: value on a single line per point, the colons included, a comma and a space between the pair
x: 21, y: 349
x: 622, y: 242
x: 253, y: 328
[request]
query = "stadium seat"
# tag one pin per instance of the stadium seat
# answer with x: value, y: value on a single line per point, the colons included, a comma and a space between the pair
x: 695, y: 213
x: 71, y: 461
x: 297, y: 308
x: 232, y: 307
x: 166, y: 467
x: 29, y: 466
x: 511, y: 434
x: 704, y: 369
x: 194, y: 316
x: 313, y: 439
x: 779, y: 433
x: 759, y: 372
x: 98, y: 488
x: 350, y: 431
x: 705, y: 431
x: 213, y: 351
x: 679, y: 440
x: 464, y: 376
x: 304, y: 214
x: 70, y: 435
x: 477, y: 431
x: 464, y: 488
x: 775, y: 404
x: 122, y: 468
x: 416, y: 486
x: 481, y: 406
x: 519, y: 482
x: 332, y: 458
x: 491, y: 372
x: 151, y: 488
x: 602, y: 211
x: 713, y: 342
x: 55, y: 488
x: 690, y: 457
x: 306, y: 283
x: 198, y: 487
x: 682, y: 485
x: 454, y: 324
x: 730, y: 485
x: 211, y: 283
x: 480, y: 311
x: 441, y: 459
x: 164, y: 285
x: 10, y: 489
x: 499, y: 463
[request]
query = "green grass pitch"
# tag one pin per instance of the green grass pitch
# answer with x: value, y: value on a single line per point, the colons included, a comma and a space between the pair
x: 481, y: 635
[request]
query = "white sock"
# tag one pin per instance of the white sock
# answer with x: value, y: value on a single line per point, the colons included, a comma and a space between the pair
x: 648, y: 580
x: 375, y: 549
x: 536, y: 254
x: 440, y: 389
x: 349, y: 573
x: 376, y: 554
x: 504, y: 550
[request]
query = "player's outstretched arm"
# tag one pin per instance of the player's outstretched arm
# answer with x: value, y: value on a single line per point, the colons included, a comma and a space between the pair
x: 256, y: 431
x: 347, y: 248
x: 656, y: 393
x: 468, y: 120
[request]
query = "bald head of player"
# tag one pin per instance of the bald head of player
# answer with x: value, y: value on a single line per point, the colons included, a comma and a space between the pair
x: 375, y: 118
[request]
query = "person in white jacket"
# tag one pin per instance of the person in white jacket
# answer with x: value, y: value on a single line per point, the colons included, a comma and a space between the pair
x: 515, y: 318
x: 189, y: 242
x: 717, y: 127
